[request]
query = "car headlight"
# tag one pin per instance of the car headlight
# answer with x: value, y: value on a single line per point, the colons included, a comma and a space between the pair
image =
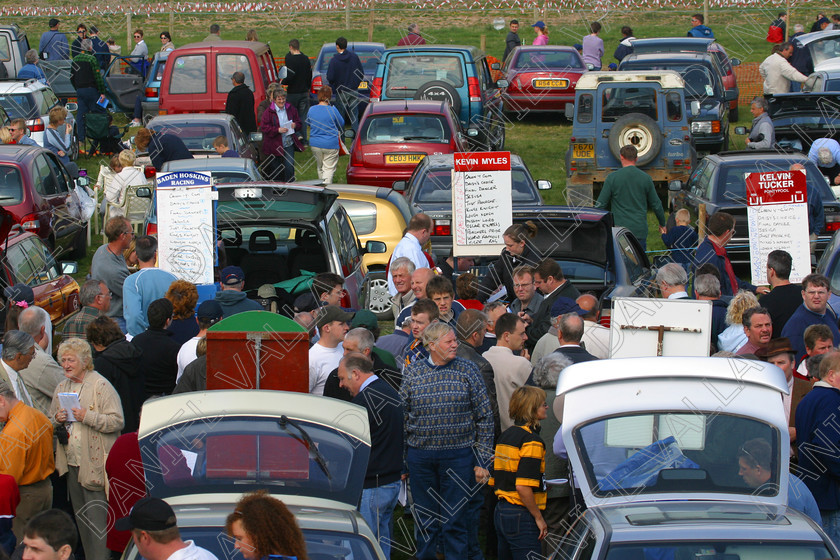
x: 705, y: 127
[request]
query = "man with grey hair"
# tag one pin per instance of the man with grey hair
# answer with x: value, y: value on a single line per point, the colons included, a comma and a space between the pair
x: 778, y: 72
x: 707, y: 288
x: 762, y: 133
x: 413, y: 37
x: 240, y: 103
x: 825, y: 152
x: 361, y: 341
x: 43, y: 374
x: 215, y: 34
x: 31, y: 70
x: 18, y: 350
x: 401, y: 270
x: 569, y: 332
x: 95, y: 298
x: 90, y: 87
x: 671, y: 280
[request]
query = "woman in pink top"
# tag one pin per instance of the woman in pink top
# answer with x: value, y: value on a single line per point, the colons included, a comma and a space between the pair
x: 542, y: 34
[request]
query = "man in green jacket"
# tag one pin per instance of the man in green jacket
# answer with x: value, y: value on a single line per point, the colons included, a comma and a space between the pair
x: 628, y: 193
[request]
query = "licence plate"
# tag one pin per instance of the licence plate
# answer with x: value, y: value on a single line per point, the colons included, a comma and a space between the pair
x: 551, y: 83
x: 583, y: 150
x: 403, y: 158
x: 363, y: 85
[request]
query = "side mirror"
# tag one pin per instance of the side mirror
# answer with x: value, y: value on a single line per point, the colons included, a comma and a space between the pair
x: 570, y: 111
x: 730, y: 95
x: 375, y: 247
x: 255, y: 137
x: 399, y: 186
x: 472, y: 132
x: 82, y: 181
x: 735, y: 61
x: 349, y: 133
x: 675, y: 186
x: 543, y: 185
x: 71, y: 107
x: 502, y: 84
x: 143, y: 192
x: 695, y: 108
x: 741, y: 130
x: 69, y: 267
x: 496, y: 66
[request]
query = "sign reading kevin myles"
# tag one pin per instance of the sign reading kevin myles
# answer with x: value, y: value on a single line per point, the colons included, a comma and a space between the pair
x: 777, y: 214
x: 481, y: 202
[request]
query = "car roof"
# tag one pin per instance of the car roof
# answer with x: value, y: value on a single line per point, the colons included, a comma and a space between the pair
x: 699, y: 44
x: 14, y: 85
x: 741, y: 156
x: 353, y: 45
x: 419, y: 50
x: 668, y: 78
x: 545, y: 48
x: 191, y: 117
x: 448, y: 160
x: 208, y: 164
x: 408, y: 106
x: 830, y: 66
x: 17, y: 153
x: 255, y: 46
x: 817, y: 36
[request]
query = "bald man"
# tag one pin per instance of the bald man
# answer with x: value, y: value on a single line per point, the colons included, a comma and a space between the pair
x: 596, y: 338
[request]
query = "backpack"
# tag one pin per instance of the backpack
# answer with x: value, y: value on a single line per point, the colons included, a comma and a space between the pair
x: 775, y: 34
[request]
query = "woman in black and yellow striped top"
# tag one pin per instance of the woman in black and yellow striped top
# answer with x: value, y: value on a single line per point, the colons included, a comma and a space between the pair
x: 519, y: 477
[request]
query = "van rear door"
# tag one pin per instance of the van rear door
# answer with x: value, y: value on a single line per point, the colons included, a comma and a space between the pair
x: 186, y: 86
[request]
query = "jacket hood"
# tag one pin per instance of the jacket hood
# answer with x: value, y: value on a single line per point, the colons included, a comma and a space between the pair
x: 343, y: 55
x: 230, y: 297
x: 124, y: 356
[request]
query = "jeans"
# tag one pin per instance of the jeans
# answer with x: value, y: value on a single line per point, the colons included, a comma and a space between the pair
x: 86, y: 99
x: 377, y: 507
x: 831, y: 524
x: 300, y: 101
x: 519, y: 537
x: 441, y: 484
x: 347, y: 103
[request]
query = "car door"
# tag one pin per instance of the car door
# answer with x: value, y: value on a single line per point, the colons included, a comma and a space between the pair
x: 65, y: 206
x: 636, y: 266
x: 346, y: 246
x: 122, y: 89
x: 240, y: 142
x: 32, y: 264
x: 697, y: 188
x: 491, y: 100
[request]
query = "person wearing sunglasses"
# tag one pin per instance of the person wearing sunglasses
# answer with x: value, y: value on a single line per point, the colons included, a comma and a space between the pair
x: 166, y: 42
x: 81, y: 35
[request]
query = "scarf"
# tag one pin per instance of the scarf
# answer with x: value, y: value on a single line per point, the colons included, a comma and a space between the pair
x: 727, y: 266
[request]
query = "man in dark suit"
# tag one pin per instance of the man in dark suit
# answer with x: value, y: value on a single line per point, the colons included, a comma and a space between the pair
x: 240, y: 103
x: 549, y: 280
x: 569, y: 332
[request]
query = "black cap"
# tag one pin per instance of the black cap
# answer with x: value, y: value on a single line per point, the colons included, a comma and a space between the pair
x: 54, y: 22
x: 148, y: 514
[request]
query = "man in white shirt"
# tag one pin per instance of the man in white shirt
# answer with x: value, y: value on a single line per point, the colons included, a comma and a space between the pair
x: 419, y: 232
x: 596, y: 337
x: 18, y: 350
x: 209, y: 313
x: 778, y: 72
x: 509, y: 371
x: 324, y: 356
x: 671, y: 280
x: 154, y: 529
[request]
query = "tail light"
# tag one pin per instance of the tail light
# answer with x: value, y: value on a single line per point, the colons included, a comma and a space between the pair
x: 35, y: 125
x: 442, y: 227
x: 356, y: 155
x: 151, y: 229
x: 376, y: 89
x: 149, y: 171
x: 606, y: 318
x: 317, y: 82
x: 150, y: 92
x: 30, y: 223
x: 678, y: 162
x: 345, y: 299
x: 832, y: 222
x: 474, y: 90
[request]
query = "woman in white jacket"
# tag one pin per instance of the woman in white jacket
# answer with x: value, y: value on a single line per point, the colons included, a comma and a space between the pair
x: 129, y: 176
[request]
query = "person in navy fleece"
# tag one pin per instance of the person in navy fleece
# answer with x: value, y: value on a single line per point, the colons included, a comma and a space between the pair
x: 220, y: 144
x: 813, y: 311
x: 720, y: 228
x: 682, y: 239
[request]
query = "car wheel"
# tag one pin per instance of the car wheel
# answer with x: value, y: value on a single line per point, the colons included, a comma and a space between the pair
x: 500, y: 138
x: 379, y: 300
x: 637, y: 130
x: 74, y: 149
x: 437, y: 90
x: 733, y: 114
x: 80, y: 245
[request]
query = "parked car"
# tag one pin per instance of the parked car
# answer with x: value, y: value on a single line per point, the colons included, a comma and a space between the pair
x: 429, y: 190
x: 198, y: 132
x: 718, y: 183
x: 454, y: 73
x: 697, y: 44
x: 827, y: 78
x: 25, y: 259
x: 395, y: 135
x: 305, y: 450
x: 378, y: 214
x: 801, y: 118
x: 656, y: 451
x: 197, y: 76
x: 38, y: 191
x: 811, y: 50
x: 541, y: 79
x: 613, y: 109
x: 703, y: 88
x: 123, y: 88
x: 368, y: 54
x: 829, y: 266
x: 32, y: 100
x: 13, y: 44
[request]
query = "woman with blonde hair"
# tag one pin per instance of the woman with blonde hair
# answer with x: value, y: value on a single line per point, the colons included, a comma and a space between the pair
x: 733, y: 336
x: 5, y: 135
x: 263, y: 527
x: 58, y: 135
x: 519, y: 477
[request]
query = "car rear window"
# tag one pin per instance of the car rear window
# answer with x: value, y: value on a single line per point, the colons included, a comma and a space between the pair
x: 232, y: 177
x: 226, y: 65
x: 832, y: 85
x: 189, y: 74
x: 196, y: 136
x: 548, y: 59
x: 362, y: 214
x: 407, y: 74
x: 387, y: 129
x: 11, y: 185
x: 733, y: 178
x: 698, y: 77
x: 726, y: 549
x: 4, y: 48
x: 368, y: 58
x: 21, y: 106
x: 617, y: 102
x: 436, y: 188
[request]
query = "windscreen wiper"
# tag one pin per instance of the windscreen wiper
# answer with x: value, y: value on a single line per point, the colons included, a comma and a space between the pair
x: 284, y: 423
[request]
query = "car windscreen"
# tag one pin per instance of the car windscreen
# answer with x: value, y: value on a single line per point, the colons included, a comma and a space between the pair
x: 617, y: 102
x: 196, y: 136
x: 728, y: 550
x: 699, y: 83
x: 436, y: 188
x: 556, y: 60
x: 368, y: 58
x: 822, y: 50
x: 20, y: 106
x: 406, y: 74
x: 11, y: 186
x: 392, y: 129
x: 832, y: 85
x: 661, y: 452
x: 734, y: 182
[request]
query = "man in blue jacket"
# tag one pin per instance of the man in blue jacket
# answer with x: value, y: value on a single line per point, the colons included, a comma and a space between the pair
x: 344, y: 74
x: 720, y: 228
x: 813, y: 311
x: 698, y: 29
x: 54, y: 43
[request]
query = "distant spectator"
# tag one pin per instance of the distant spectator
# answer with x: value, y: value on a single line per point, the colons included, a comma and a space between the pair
x: 215, y: 34
x: 778, y: 72
x: 512, y: 40
x: 734, y: 337
x: 252, y: 35
x: 19, y: 133
x: 166, y: 42
x: 139, y: 54
x: 231, y: 297
x: 413, y: 37
x: 95, y: 298
x: 325, y: 127
x: 681, y: 239
x: 127, y: 176
x: 58, y: 138
x: 624, y: 47
x: 720, y: 229
x: 100, y: 48
x: 593, y: 47
x: 298, y: 83
x: 81, y: 34
x: 31, y: 70
x: 240, y: 103
x: 162, y: 146
x: 279, y: 125
x: 53, y: 43
x: 144, y: 286
x: 542, y: 33
x: 109, y: 265
x: 220, y: 144
x: 707, y: 287
x: 344, y: 74
x: 698, y: 29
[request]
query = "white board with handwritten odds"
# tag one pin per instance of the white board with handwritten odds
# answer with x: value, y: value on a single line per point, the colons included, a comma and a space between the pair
x: 481, y: 203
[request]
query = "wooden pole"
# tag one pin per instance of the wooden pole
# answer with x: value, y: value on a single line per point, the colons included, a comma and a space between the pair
x: 705, y: 12
x: 171, y: 22
x: 701, y: 222
x: 128, y: 32
x: 346, y: 14
x: 370, y: 23
x: 483, y: 43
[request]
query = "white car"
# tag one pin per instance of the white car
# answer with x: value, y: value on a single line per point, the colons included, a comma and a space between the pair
x: 32, y: 100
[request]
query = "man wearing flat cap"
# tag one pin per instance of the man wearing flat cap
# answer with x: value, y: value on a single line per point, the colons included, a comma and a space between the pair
x: 324, y: 356
x: 232, y: 299
x: 154, y: 530
x: 779, y: 352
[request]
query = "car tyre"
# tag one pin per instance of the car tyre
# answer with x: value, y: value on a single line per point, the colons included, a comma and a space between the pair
x: 639, y: 130
x: 379, y: 299
x: 437, y: 90
x: 500, y: 138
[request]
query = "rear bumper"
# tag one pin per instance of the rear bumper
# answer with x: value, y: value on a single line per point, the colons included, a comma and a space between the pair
x: 537, y: 103
x: 376, y: 177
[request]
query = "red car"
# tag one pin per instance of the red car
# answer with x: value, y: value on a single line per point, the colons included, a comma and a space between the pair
x: 541, y: 79
x: 395, y: 135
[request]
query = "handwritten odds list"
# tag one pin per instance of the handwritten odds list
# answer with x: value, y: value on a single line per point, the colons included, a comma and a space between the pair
x: 481, y: 202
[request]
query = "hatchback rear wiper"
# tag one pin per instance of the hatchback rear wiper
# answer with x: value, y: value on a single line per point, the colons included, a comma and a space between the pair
x: 313, y: 449
x: 420, y: 138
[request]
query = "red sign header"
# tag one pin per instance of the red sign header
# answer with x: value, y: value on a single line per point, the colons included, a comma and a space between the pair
x: 482, y: 161
x: 777, y: 187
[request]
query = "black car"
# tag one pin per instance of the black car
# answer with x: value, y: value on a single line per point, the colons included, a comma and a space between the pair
x: 703, y: 85
x: 801, y: 118
x: 718, y: 182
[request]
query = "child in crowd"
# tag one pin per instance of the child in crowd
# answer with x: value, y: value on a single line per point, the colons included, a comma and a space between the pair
x: 220, y: 144
x: 681, y: 239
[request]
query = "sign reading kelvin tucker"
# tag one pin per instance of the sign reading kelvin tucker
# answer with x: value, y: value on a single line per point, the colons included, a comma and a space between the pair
x: 481, y: 202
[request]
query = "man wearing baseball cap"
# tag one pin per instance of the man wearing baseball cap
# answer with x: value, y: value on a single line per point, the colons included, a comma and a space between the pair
x: 154, y: 530
x: 332, y: 322
x: 232, y: 299
x: 53, y: 44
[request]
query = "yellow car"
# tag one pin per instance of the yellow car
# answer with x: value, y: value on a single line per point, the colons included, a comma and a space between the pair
x: 378, y: 214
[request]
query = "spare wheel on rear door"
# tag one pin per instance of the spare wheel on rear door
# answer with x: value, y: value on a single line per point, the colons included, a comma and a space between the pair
x: 637, y: 130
